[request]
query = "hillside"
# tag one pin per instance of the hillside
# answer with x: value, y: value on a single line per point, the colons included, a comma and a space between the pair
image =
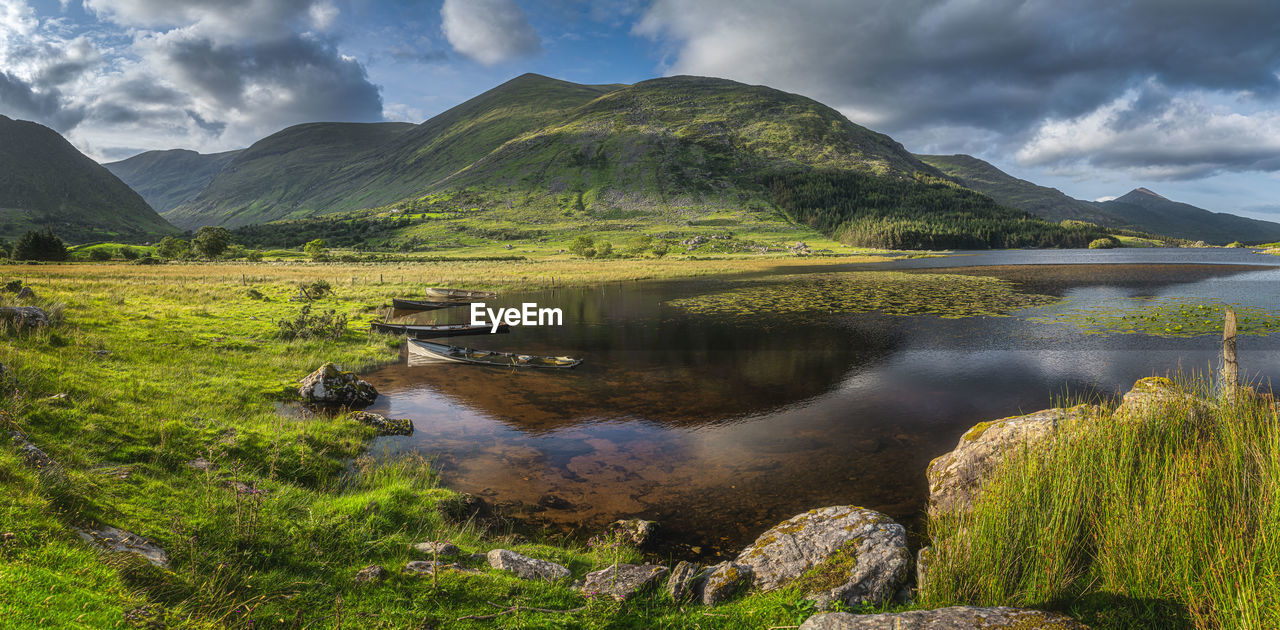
x: 167, y: 179
x: 537, y: 158
x: 1149, y: 211
x: 1042, y: 201
x: 46, y: 182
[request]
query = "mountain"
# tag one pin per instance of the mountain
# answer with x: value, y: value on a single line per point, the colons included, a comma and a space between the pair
x: 1149, y: 211
x: 1140, y: 209
x: 1044, y: 202
x: 46, y: 182
x: 166, y: 179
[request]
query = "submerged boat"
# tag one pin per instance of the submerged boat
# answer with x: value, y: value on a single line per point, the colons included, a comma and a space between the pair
x: 442, y: 292
x: 430, y: 352
x: 432, y: 331
x: 424, y: 305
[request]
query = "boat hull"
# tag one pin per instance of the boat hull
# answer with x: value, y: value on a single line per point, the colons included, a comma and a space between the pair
x: 426, y: 352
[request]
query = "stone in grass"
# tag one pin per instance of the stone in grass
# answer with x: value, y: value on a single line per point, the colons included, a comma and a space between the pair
x: 622, y: 581
x: 635, y: 531
x: 840, y: 554
x: 114, y: 539
x: 723, y: 581
x: 953, y: 618
x: 330, y: 386
x: 22, y: 317
x: 372, y: 573
x: 685, y: 579
x: 384, y: 425
x: 32, y: 455
x: 441, y: 549
x: 525, y: 567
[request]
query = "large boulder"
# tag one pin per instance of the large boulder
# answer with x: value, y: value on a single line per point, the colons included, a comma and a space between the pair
x: 525, y: 567
x: 953, y: 618
x: 956, y: 477
x: 622, y: 581
x: 1157, y: 394
x: 330, y: 386
x: 24, y: 317
x: 835, y: 554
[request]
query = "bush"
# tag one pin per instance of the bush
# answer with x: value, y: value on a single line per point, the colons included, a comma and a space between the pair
x: 99, y: 254
x: 1236, y: 244
x: 128, y: 253
x: 316, y: 250
x: 1103, y: 243
x: 147, y: 260
x: 173, y: 248
x: 253, y: 255
x: 583, y: 246
x: 211, y: 241
x: 327, y: 325
x: 42, y: 245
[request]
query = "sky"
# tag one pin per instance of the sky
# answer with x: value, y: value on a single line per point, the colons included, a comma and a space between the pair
x: 1094, y: 97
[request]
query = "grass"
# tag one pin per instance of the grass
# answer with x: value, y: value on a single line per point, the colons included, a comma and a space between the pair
x: 154, y: 367
x: 1168, y: 519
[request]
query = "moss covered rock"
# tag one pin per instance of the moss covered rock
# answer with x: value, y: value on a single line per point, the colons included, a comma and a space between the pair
x: 955, y: 478
x: 622, y: 581
x: 840, y: 554
x: 384, y: 425
x: 330, y: 386
x: 723, y: 581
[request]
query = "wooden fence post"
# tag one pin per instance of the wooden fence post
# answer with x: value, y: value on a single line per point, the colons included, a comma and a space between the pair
x: 1230, y: 378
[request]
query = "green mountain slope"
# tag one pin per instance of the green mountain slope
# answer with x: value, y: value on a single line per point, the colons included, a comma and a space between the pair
x: 167, y: 179
x: 1149, y: 211
x: 46, y: 182
x: 1048, y: 203
x: 667, y: 152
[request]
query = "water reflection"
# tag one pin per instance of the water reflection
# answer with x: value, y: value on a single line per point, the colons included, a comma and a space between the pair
x: 718, y: 430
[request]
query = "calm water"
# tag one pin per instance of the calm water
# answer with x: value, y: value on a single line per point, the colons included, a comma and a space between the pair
x: 718, y: 430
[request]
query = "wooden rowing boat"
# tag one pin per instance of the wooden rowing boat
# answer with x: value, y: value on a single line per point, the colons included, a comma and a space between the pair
x: 431, y: 352
x: 433, y: 331
x: 456, y: 294
x: 423, y: 305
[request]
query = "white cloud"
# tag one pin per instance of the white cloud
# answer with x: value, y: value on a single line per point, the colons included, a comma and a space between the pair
x: 488, y: 31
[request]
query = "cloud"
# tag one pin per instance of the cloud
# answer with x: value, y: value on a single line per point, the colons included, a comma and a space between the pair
x: 488, y: 31
x: 1005, y: 66
x: 21, y: 100
x: 1163, y: 137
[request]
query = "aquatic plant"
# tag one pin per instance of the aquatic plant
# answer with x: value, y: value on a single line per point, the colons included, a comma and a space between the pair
x: 1164, y: 317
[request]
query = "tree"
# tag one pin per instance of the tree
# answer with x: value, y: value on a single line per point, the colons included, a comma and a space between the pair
x: 171, y: 248
x: 41, y: 245
x: 582, y: 245
x: 211, y: 241
x: 316, y: 249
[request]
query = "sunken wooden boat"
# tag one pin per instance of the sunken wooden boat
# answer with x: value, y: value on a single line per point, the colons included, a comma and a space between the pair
x: 424, y: 305
x: 430, y: 352
x: 434, y: 331
x: 460, y: 294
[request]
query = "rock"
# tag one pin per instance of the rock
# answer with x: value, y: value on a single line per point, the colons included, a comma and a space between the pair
x: 440, y: 549
x: 330, y: 386
x: 200, y: 464
x: 953, y: 618
x: 25, y: 293
x: 462, y: 507
x: 31, y: 454
x: 956, y: 477
x: 723, y: 581
x: 684, y: 582
x: 384, y: 425
x: 1157, y: 392
x: 554, y: 502
x: 633, y: 530
x: 115, y: 539
x: 525, y: 567
x: 621, y: 581
x: 371, y: 573
x: 841, y: 553
x: 22, y: 317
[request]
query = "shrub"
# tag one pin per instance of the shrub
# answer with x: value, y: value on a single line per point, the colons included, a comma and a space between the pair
x: 1236, y: 244
x: 583, y: 246
x: 327, y: 325
x: 1103, y: 243
x: 99, y: 254
x: 42, y: 245
x: 128, y: 253
x: 253, y: 255
x: 172, y: 248
x: 316, y: 249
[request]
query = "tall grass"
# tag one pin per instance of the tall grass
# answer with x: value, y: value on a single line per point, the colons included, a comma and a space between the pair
x: 1164, y: 518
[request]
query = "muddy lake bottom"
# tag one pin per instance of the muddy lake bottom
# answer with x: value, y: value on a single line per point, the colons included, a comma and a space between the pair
x: 719, y: 427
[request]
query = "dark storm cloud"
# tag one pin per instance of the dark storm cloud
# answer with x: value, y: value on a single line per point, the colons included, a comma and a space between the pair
x: 21, y: 100
x: 1007, y: 66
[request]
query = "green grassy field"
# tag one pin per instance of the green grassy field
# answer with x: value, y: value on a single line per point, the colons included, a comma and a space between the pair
x: 150, y: 368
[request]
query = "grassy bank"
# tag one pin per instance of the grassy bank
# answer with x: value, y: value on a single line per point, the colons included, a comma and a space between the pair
x: 1168, y: 519
x: 152, y: 368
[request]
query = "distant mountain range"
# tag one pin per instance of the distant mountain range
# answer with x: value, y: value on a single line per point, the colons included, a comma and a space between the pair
x: 46, y: 182
x: 1140, y: 209
x: 563, y: 156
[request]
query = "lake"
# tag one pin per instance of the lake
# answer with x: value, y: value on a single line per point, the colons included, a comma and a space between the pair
x: 720, y: 427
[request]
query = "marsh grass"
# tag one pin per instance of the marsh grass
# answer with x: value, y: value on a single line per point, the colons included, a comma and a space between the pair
x: 1164, y: 520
